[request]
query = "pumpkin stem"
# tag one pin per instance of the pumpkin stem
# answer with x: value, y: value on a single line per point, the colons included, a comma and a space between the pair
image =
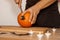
x: 22, y: 17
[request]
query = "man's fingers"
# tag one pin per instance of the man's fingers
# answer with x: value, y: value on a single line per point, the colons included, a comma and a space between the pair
x: 17, y: 1
x: 34, y: 19
x: 31, y: 16
x: 19, y: 5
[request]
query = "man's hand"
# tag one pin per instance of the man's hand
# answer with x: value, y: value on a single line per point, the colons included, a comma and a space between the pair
x: 34, y: 12
x: 18, y: 2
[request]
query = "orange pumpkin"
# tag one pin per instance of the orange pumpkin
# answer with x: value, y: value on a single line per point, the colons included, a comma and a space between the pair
x: 24, y: 20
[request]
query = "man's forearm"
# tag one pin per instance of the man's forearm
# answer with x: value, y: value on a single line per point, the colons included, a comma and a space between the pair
x: 43, y: 4
x: 48, y: 4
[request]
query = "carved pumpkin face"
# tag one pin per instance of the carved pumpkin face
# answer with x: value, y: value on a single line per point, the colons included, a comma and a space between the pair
x: 24, y: 20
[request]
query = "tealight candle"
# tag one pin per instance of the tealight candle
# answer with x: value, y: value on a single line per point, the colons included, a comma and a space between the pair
x: 40, y: 35
x: 47, y: 34
x: 31, y: 32
x: 54, y: 30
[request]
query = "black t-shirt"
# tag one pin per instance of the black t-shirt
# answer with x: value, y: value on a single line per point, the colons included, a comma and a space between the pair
x: 48, y: 16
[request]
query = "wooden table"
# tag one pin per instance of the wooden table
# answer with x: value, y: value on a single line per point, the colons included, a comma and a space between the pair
x: 10, y: 29
x: 10, y: 36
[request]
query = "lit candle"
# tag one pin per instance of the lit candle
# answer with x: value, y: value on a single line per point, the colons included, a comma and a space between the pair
x: 47, y: 34
x: 31, y: 32
x: 54, y: 30
x: 40, y: 35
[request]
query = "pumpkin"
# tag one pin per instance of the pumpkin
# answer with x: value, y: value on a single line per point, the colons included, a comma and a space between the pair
x: 24, y: 20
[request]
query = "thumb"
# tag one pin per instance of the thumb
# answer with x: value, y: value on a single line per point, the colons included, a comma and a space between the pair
x: 31, y: 15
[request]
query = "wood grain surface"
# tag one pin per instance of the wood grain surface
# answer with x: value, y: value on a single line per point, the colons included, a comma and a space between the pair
x: 22, y: 30
x: 9, y: 36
